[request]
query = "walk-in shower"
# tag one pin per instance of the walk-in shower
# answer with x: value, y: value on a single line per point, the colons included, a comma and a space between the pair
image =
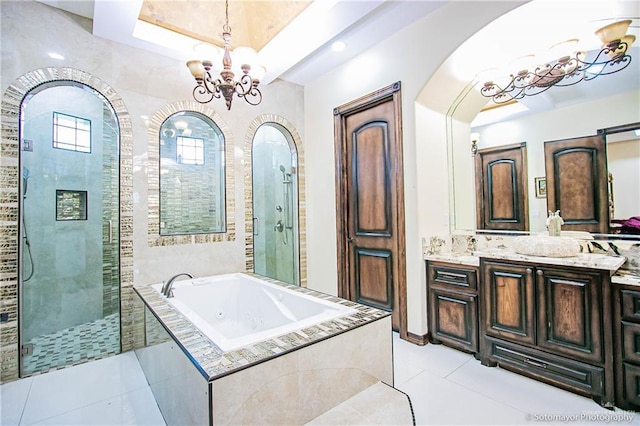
x: 69, y: 292
x: 275, y: 204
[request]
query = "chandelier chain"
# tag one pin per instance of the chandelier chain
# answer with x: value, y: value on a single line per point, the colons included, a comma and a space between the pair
x: 226, y: 28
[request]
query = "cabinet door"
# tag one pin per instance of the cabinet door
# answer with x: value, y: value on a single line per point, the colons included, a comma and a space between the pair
x: 631, y: 386
x: 509, y: 301
x: 453, y: 318
x: 569, y: 313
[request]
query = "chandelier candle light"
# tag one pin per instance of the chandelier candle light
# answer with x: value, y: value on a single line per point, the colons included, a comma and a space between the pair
x: 568, y: 69
x: 208, y: 87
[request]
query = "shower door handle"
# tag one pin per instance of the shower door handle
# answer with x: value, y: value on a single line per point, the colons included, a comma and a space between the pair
x: 256, y: 226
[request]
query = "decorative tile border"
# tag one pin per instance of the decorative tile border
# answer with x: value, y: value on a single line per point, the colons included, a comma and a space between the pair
x: 248, y: 192
x: 213, y: 363
x: 9, y: 203
x: 153, y: 176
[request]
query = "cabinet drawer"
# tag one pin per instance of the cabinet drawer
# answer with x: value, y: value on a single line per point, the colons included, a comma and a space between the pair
x: 630, y: 342
x: 458, y: 277
x: 630, y: 305
x: 631, y: 388
x: 576, y: 376
x: 453, y: 319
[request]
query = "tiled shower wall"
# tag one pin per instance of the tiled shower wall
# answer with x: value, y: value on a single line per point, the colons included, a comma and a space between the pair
x: 153, y: 173
x: 248, y: 196
x: 193, y: 204
x: 9, y: 215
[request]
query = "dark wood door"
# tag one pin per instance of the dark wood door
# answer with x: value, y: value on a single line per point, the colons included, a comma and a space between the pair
x: 569, y: 306
x: 576, y: 171
x: 370, y: 204
x: 509, y: 301
x: 501, y: 188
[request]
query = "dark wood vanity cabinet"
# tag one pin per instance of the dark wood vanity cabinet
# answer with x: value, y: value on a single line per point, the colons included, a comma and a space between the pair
x: 452, y: 297
x: 550, y: 323
x: 626, y: 327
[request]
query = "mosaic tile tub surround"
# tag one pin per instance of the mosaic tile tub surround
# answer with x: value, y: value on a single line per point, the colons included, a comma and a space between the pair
x: 214, y: 362
x: 316, y: 367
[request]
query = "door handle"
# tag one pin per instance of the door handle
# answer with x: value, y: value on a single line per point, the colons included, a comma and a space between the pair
x: 350, y: 239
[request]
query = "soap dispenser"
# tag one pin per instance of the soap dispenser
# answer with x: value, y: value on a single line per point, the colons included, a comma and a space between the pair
x: 554, y: 223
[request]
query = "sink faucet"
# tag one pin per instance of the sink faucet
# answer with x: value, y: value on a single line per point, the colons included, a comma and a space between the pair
x: 166, y: 288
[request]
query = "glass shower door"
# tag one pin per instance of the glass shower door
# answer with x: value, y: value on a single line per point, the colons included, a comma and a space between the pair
x: 275, y: 204
x: 70, y: 270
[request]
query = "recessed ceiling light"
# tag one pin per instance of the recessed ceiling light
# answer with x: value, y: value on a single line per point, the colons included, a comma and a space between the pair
x: 54, y: 55
x: 338, y: 46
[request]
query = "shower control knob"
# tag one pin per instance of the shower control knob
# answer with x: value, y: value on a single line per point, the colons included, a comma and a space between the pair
x: 279, y: 226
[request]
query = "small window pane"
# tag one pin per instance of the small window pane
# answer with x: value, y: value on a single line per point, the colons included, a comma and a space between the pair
x: 66, y: 135
x: 84, y: 125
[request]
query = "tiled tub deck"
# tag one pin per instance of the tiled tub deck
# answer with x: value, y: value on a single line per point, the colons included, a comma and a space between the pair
x: 289, y: 379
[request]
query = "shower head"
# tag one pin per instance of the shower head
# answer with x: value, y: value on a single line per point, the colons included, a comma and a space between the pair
x: 282, y: 169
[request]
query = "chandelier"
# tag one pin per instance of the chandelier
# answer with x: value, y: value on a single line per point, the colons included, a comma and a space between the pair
x: 246, y: 87
x: 568, y: 69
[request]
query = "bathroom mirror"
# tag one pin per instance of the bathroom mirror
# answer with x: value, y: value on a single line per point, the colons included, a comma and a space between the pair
x: 623, y: 153
x: 559, y: 113
x: 192, y: 175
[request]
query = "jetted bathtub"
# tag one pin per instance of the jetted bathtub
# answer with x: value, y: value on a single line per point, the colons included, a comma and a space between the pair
x: 242, y: 349
x: 236, y: 310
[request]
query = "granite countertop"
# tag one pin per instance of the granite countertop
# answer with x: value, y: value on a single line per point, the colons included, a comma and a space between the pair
x: 625, y: 277
x: 583, y: 260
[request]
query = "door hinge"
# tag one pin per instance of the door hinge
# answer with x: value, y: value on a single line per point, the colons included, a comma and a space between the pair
x: 26, y: 349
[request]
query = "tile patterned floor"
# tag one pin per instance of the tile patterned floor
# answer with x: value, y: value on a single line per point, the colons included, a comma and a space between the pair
x: 447, y: 387
x: 76, y: 345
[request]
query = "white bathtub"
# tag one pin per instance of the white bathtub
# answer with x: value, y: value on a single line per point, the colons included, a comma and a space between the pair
x: 236, y: 310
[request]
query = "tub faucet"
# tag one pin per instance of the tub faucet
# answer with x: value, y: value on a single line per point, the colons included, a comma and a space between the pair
x: 166, y: 288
